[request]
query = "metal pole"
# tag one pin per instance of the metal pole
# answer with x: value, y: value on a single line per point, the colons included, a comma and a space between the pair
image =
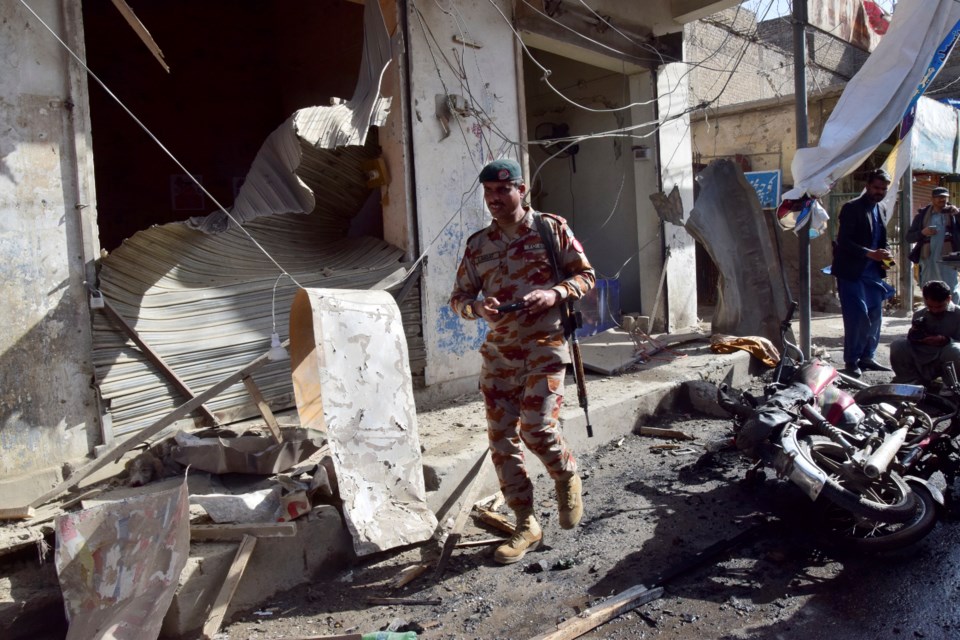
x: 800, y: 99
x: 906, y: 267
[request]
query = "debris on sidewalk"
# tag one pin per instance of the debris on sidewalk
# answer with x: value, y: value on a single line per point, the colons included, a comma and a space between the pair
x: 119, y: 564
x: 352, y: 379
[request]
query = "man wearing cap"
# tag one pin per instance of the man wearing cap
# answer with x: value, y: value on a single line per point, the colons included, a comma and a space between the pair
x: 937, y: 230
x: 858, y: 254
x: 525, y: 353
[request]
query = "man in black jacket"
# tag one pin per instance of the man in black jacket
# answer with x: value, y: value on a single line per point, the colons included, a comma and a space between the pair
x: 858, y: 255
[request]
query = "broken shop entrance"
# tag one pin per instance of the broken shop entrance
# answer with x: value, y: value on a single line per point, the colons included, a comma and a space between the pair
x: 187, y: 296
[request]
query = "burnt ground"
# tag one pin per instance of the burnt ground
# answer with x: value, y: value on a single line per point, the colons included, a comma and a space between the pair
x: 651, y: 506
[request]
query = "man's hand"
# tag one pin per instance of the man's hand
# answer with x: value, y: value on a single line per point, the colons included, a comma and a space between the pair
x: 879, y: 254
x: 541, y: 299
x: 929, y: 231
x: 935, y: 341
x: 487, y: 308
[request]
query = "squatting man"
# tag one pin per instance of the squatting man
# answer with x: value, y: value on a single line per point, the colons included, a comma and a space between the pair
x: 525, y: 353
x: 933, y: 339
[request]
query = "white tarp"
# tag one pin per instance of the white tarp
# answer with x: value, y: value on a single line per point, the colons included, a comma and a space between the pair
x: 351, y: 376
x: 875, y: 99
x: 935, y: 140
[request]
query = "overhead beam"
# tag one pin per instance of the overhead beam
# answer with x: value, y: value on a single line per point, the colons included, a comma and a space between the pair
x: 572, y: 31
x: 684, y: 11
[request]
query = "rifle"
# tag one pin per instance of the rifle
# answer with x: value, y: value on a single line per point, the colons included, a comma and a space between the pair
x: 570, y: 319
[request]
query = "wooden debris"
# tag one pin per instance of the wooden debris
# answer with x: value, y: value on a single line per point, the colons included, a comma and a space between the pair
x: 154, y: 357
x: 116, y: 450
x: 263, y: 407
x: 481, y: 543
x: 16, y: 513
x: 409, y: 574
x: 655, y: 432
x: 608, y: 610
x: 496, y: 520
x: 232, y: 531
x: 411, y: 601
x: 468, y: 501
x: 229, y: 587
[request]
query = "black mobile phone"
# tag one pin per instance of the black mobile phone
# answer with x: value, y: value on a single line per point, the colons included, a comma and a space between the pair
x: 513, y: 306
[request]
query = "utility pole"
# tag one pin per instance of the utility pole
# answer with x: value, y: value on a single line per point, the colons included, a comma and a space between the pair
x: 800, y: 97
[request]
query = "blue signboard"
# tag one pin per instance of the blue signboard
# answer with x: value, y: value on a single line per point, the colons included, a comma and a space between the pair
x: 767, y: 186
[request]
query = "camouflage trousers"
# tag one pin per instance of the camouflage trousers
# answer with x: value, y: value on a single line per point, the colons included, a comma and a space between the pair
x: 524, y: 405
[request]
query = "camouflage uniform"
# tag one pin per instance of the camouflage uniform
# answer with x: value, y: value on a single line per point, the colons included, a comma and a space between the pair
x: 525, y: 354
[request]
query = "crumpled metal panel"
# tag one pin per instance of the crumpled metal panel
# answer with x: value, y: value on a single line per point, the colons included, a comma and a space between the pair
x: 352, y: 378
x: 203, y: 302
x: 201, y: 295
x: 312, y: 162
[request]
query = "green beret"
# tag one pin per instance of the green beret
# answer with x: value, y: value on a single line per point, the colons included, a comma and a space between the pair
x: 502, y: 169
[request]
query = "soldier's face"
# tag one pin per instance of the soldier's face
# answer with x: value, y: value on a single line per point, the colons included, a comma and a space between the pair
x: 877, y: 190
x: 504, y: 200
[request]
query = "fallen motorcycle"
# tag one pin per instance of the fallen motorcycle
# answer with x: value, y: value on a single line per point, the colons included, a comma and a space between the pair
x: 866, y: 458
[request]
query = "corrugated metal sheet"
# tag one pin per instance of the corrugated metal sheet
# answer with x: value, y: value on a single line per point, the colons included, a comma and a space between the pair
x: 200, y: 294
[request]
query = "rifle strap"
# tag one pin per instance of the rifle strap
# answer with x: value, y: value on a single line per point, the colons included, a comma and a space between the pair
x: 550, y: 244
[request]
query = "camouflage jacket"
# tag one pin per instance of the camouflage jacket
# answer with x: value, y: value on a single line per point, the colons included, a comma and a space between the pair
x: 509, y: 269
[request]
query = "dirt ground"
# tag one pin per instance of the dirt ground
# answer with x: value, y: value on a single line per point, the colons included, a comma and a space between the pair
x: 651, y: 506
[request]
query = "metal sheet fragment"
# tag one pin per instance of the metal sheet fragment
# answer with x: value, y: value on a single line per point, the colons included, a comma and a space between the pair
x: 348, y: 347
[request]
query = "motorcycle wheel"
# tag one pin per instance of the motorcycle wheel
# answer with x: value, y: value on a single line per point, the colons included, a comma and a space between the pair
x: 888, y: 499
x: 849, y: 531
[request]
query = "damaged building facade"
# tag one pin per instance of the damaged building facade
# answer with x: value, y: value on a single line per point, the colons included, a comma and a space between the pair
x: 347, y: 137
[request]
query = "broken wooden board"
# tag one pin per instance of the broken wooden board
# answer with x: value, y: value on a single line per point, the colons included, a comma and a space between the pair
x: 230, y: 531
x: 604, y: 612
x: 610, y: 352
x: 454, y: 535
x: 656, y: 432
x: 351, y: 377
x: 496, y: 521
x: 229, y: 587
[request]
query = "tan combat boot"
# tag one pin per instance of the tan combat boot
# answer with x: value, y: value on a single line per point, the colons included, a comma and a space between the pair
x: 569, y: 501
x: 527, y: 537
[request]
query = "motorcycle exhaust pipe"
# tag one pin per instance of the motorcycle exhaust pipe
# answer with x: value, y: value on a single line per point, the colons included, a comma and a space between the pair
x: 880, y: 459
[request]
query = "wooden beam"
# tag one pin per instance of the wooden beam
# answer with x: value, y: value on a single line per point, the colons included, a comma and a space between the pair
x: 236, y: 531
x: 141, y: 31
x: 154, y: 357
x: 229, y: 587
x: 604, y: 612
x: 116, y: 450
x: 264, y: 408
x: 457, y: 532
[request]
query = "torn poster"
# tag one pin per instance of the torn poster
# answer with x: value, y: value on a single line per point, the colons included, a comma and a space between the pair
x: 119, y: 564
x: 351, y: 377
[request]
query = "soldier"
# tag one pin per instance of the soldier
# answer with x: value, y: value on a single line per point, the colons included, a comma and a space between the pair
x: 525, y: 353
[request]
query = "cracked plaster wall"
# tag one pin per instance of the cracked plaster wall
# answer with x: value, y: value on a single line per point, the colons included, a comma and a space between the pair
x: 47, y: 406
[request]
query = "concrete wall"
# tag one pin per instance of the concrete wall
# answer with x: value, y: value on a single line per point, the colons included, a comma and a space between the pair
x: 47, y: 405
x: 449, y: 204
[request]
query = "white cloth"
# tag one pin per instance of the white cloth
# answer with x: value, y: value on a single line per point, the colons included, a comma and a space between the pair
x: 874, y: 100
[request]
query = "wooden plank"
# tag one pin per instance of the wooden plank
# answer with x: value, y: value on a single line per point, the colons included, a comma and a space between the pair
x: 457, y: 531
x: 608, y: 610
x: 239, y: 564
x: 409, y: 574
x: 232, y: 531
x: 154, y: 357
x: 264, y: 408
x: 496, y: 520
x: 656, y: 432
x: 117, y: 449
x: 16, y: 513
x: 405, y: 601
x: 481, y: 543
x: 141, y: 31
